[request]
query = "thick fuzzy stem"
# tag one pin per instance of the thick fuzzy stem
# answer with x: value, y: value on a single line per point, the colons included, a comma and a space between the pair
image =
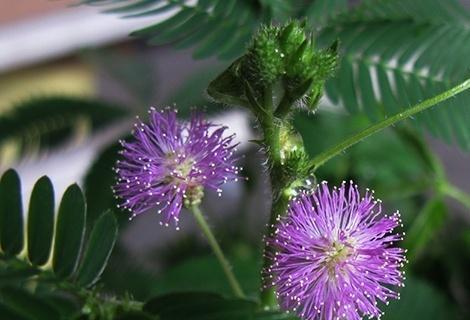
x: 271, y: 131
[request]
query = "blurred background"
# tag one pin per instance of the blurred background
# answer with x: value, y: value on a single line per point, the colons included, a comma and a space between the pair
x: 72, y: 81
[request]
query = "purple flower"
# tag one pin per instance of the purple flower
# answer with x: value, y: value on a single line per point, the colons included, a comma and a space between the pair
x: 171, y: 162
x: 335, y: 255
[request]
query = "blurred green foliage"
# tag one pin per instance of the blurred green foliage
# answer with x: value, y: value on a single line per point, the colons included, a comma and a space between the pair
x: 394, y: 54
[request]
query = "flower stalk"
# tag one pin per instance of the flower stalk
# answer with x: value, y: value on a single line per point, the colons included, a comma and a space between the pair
x: 232, y: 280
x: 323, y: 157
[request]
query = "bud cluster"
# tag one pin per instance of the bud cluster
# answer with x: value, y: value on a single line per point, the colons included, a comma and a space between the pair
x: 287, y: 54
x: 281, y: 69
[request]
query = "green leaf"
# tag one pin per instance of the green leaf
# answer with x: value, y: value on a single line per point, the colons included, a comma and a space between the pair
x: 195, y: 20
x: 161, y: 9
x: 197, y: 35
x: 142, y: 4
x: 320, y: 12
x: 40, y: 221
x: 11, y: 275
x: 234, y: 47
x: 166, y: 25
x: 100, y: 246
x: 11, y: 214
x: 29, y: 292
x: 367, y: 93
x: 277, y: 10
x: 207, y: 24
x: 428, y: 222
x: 415, y: 50
x: 346, y: 86
x: 28, y: 305
x: 98, y: 183
x: 420, y: 11
x: 46, y: 122
x: 70, y: 231
x: 216, y: 40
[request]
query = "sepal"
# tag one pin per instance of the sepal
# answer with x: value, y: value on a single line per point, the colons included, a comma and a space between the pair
x: 228, y: 87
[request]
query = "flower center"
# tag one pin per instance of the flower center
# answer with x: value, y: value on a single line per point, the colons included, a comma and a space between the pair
x: 336, y: 256
x: 179, y: 166
x: 184, y: 168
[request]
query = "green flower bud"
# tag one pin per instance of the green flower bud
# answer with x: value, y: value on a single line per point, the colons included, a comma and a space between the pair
x: 296, y: 167
x: 307, y: 72
x: 263, y: 64
x: 291, y: 144
x: 324, y: 64
x: 303, y: 68
x: 292, y: 36
x: 298, y: 172
x: 313, y: 97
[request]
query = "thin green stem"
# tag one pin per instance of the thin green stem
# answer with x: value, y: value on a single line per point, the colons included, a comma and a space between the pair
x: 455, y: 193
x: 237, y: 290
x: 323, y: 157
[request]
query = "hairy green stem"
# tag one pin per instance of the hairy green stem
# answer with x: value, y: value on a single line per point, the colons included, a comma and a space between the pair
x: 271, y: 132
x: 271, y: 129
x: 284, y: 106
x: 279, y: 207
x: 237, y: 290
x: 323, y: 157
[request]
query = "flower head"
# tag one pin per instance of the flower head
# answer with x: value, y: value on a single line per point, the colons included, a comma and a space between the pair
x: 169, y: 163
x: 335, y: 255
